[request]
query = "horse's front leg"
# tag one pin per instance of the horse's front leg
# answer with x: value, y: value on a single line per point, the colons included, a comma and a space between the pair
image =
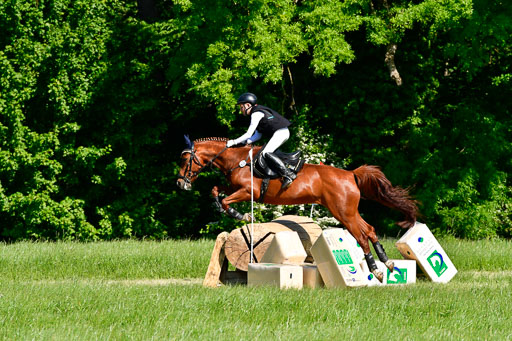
x: 216, y: 200
x: 237, y: 196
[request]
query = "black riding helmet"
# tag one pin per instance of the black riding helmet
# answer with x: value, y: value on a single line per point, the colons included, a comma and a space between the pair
x: 247, y: 98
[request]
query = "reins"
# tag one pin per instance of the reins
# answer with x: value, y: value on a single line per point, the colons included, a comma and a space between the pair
x: 209, y: 163
x: 242, y: 163
x: 193, y: 158
x: 189, y: 174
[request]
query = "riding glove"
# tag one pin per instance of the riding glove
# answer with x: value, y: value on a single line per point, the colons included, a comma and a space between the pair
x: 230, y: 143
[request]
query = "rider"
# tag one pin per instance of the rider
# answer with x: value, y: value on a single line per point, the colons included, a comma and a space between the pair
x: 265, y: 121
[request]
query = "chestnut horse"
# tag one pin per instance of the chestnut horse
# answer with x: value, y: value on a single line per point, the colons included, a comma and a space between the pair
x: 337, y: 189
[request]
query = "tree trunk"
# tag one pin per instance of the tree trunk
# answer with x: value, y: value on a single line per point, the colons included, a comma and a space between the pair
x: 390, y: 62
x: 238, y: 244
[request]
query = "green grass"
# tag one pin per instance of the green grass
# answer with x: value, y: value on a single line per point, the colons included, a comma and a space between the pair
x: 123, y: 291
x: 104, y: 260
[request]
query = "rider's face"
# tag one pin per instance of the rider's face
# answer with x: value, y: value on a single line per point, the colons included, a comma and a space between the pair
x: 244, y: 107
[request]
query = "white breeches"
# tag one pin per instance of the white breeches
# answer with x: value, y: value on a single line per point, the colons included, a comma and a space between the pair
x: 279, y: 137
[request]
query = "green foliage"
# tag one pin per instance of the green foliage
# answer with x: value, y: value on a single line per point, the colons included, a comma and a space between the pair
x: 95, y: 101
x: 388, y: 21
x: 47, y: 75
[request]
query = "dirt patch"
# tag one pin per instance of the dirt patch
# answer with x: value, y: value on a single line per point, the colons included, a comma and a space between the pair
x: 160, y: 281
x: 129, y: 282
x: 477, y: 275
x: 489, y: 274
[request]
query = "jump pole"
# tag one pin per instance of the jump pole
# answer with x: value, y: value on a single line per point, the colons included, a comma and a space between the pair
x: 252, y: 207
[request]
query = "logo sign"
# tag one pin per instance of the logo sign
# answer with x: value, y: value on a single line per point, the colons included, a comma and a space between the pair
x: 437, y: 263
x: 342, y: 257
x: 352, y: 270
x: 398, y: 276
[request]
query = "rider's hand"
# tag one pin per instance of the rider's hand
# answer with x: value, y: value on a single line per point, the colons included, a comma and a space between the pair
x: 230, y: 143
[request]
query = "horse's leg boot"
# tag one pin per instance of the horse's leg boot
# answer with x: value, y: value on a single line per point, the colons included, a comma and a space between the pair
x: 218, y: 205
x: 373, y: 267
x: 235, y: 214
x: 278, y: 165
x: 379, y: 249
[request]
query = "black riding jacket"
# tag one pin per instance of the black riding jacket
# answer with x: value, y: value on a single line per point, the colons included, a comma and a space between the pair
x: 271, y: 122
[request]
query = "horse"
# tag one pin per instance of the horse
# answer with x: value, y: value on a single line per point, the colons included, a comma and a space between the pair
x: 336, y: 189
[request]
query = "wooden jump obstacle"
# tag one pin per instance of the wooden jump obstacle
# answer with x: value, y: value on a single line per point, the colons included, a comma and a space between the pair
x: 235, y: 247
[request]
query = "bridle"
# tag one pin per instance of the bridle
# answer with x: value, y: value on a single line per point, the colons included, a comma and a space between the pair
x: 189, y: 174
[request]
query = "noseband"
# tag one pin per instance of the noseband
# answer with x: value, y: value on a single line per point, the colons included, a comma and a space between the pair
x: 189, y: 174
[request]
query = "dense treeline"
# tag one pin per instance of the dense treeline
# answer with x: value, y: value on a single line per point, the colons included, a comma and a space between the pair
x: 96, y: 96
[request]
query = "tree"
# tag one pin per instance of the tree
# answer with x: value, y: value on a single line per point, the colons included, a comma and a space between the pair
x: 97, y: 95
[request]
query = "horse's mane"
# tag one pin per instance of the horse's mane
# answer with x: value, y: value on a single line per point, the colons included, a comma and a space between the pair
x: 205, y: 139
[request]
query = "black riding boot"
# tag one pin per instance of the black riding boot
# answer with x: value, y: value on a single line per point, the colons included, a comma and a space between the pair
x: 277, y: 165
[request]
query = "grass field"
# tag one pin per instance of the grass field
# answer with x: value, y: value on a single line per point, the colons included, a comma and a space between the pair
x: 130, y: 290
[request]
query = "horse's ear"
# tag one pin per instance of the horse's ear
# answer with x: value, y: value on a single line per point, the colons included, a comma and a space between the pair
x: 188, y: 143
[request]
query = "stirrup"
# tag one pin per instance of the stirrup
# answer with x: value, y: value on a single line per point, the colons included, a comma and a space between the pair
x: 287, y: 181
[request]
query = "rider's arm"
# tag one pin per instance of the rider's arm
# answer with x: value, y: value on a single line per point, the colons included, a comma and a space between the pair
x: 257, y: 135
x: 255, y: 120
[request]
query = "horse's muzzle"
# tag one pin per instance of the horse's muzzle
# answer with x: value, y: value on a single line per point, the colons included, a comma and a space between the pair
x: 181, y: 183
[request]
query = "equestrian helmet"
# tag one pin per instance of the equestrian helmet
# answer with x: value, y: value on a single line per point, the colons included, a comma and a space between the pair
x: 247, y: 98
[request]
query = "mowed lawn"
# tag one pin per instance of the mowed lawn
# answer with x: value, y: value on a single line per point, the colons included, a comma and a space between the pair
x: 146, y: 290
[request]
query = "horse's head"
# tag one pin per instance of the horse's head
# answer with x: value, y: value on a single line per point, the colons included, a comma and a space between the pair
x: 196, y: 157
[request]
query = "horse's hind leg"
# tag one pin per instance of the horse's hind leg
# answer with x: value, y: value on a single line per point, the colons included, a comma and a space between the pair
x: 383, y: 257
x: 343, y: 207
x: 359, y: 230
x: 362, y: 231
x: 369, y: 230
x: 379, y: 249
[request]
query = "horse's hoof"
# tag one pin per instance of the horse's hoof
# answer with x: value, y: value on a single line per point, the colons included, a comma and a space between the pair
x: 247, y: 217
x: 379, y: 275
x: 390, y: 265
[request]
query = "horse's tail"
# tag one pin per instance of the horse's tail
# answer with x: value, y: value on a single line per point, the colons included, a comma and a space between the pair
x: 374, y: 185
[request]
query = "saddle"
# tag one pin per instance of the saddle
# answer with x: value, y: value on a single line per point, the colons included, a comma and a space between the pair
x: 293, y: 162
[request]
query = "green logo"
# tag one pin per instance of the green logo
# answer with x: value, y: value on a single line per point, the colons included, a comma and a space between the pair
x: 398, y: 276
x: 437, y: 263
x: 342, y: 257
